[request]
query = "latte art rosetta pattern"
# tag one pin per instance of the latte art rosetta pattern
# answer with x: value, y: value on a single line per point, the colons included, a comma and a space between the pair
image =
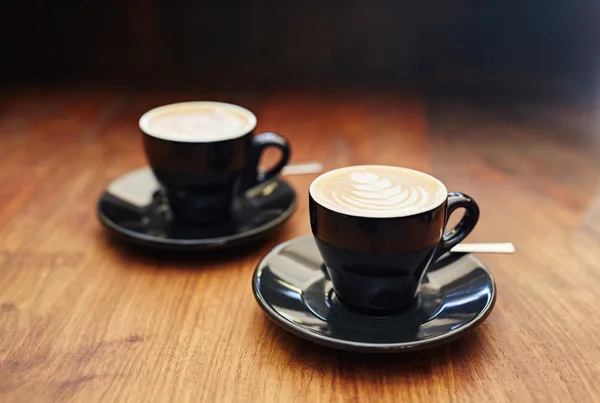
x: 372, y: 192
x: 378, y: 191
x: 375, y: 193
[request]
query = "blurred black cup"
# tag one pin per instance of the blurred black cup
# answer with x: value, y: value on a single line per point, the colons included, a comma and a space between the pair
x: 205, y: 154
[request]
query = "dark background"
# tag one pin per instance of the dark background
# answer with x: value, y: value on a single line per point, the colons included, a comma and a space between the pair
x: 547, y: 48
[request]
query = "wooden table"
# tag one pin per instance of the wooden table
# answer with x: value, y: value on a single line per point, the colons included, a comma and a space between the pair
x: 83, y: 319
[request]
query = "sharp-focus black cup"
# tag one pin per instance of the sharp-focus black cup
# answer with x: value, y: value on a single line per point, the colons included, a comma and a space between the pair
x: 204, y: 154
x: 379, y: 227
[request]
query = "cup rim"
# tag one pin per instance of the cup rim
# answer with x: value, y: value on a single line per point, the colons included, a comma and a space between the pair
x: 378, y: 214
x: 145, y: 119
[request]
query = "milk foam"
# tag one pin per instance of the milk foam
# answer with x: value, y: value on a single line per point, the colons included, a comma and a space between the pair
x: 378, y: 191
x: 198, y: 122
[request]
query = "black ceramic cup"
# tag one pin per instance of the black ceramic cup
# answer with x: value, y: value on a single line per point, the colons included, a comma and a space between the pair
x: 204, y: 155
x: 376, y: 260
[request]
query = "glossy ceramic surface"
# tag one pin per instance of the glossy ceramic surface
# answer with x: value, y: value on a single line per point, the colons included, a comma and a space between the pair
x: 133, y: 209
x: 376, y: 263
x: 291, y: 285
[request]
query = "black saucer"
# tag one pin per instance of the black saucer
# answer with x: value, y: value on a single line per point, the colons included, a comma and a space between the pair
x: 133, y: 209
x: 457, y: 293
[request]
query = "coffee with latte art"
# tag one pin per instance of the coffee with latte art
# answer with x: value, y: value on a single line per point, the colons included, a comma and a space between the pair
x: 198, y: 122
x: 378, y: 191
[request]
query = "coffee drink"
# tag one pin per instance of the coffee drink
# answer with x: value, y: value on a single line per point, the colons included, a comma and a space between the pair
x: 205, y: 155
x: 379, y: 227
x: 198, y: 122
x: 378, y: 191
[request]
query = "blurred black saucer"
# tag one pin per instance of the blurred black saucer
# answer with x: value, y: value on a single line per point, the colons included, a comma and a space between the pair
x: 133, y: 209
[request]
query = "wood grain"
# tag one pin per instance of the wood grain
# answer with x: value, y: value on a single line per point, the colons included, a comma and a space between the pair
x: 84, y: 319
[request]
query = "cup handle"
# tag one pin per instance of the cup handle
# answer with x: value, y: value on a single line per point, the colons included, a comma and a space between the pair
x: 454, y: 236
x: 262, y: 141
